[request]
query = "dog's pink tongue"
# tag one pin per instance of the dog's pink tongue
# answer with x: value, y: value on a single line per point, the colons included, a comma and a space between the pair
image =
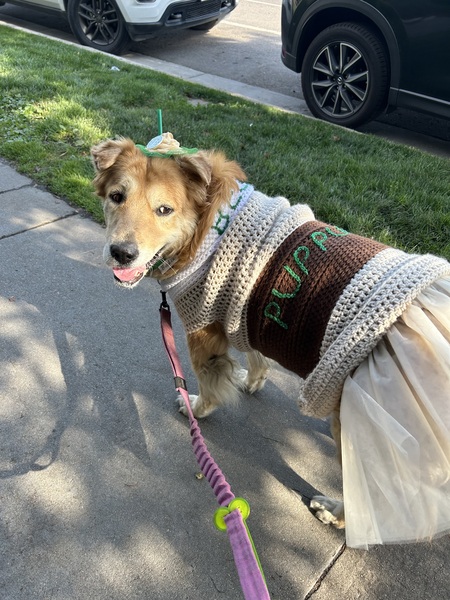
x: 128, y: 274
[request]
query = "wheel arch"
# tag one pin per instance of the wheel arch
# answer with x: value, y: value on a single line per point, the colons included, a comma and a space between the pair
x: 323, y: 13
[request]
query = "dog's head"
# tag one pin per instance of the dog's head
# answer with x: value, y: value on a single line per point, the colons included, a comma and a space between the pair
x: 158, y: 210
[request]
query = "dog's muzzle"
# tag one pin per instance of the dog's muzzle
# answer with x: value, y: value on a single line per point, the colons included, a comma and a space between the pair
x: 130, y: 276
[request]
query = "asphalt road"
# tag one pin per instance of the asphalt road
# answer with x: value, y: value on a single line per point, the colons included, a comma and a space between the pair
x: 246, y: 47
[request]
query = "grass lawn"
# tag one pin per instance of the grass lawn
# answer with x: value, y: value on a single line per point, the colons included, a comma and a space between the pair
x: 57, y: 101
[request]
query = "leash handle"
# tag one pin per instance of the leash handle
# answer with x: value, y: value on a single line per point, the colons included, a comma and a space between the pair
x: 245, y: 557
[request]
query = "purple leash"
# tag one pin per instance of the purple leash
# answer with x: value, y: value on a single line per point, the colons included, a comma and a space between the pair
x: 234, y: 511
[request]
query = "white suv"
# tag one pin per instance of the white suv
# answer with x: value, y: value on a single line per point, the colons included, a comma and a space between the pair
x: 110, y: 25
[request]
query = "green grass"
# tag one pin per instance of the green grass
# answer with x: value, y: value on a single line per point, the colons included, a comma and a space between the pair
x: 57, y: 101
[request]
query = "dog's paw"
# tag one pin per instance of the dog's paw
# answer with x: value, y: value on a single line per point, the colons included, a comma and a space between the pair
x: 198, y: 407
x: 329, y: 511
x: 250, y: 382
x: 254, y: 384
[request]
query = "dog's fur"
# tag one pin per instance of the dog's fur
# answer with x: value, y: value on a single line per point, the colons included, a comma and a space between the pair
x: 166, y: 206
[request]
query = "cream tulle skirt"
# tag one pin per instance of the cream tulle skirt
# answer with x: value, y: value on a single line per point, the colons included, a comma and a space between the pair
x: 395, y: 418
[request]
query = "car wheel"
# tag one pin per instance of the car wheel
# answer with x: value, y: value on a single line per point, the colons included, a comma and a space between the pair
x: 98, y: 24
x: 345, y: 75
x: 205, y: 26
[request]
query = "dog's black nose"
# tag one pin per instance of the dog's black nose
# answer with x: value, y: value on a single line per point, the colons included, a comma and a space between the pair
x: 125, y: 253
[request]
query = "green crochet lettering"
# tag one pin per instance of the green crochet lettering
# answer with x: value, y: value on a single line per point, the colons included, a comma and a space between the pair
x: 295, y: 292
x: 298, y: 261
x: 217, y: 225
x: 239, y: 198
x: 275, y: 317
x: 338, y: 232
x: 318, y: 237
x: 222, y: 222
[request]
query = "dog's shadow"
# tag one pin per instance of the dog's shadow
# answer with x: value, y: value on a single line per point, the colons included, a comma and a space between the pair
x: 69, y: 368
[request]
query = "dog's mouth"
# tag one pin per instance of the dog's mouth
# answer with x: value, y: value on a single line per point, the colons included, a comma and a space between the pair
x: 129, y: 277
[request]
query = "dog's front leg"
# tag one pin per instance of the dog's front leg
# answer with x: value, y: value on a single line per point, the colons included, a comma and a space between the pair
x: 219, y: 377
x: 258, y: 367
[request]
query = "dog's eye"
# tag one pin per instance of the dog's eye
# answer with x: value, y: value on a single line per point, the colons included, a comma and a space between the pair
x: 117, y: 197
x: 163, y: 211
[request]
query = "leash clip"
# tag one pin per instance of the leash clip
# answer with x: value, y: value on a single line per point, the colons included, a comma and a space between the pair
x: 164, y: 304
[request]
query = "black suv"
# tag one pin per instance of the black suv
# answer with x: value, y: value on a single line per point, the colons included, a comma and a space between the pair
x: 358, y: 58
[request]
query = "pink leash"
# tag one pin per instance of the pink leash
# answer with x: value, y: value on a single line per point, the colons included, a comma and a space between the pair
x: 233, y: 512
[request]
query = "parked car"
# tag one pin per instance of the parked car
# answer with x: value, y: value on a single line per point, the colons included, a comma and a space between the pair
x: 358, y: 58
x: 110, y: 25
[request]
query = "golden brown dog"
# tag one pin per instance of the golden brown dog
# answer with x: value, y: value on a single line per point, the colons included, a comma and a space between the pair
x: 161, y: 210
x: 168, y: 216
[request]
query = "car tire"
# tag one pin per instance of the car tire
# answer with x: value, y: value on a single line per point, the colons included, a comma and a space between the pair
x: 98, y: 24
x: 345, y: 75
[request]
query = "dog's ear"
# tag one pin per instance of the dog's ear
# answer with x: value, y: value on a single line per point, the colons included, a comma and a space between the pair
x: 196, y: 166
x: 214, y: 180
x: 225, y: 178
x: 105, y: 154
x: 213, y: 169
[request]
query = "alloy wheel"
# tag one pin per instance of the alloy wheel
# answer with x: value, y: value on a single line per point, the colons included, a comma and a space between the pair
x: 99, y: 21
x: 340, y: 79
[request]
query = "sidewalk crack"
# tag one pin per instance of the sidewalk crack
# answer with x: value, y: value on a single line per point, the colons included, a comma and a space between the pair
x: 55, y: 220
x: 325, y: 572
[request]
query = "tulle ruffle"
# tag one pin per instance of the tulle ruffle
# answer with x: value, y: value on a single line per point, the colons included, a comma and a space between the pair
x: 395, y: 418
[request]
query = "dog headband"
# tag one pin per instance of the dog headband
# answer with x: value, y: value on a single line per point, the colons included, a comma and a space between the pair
x: 164, y: 146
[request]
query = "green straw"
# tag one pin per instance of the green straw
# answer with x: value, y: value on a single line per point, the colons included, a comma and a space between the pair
x: 155, y: 153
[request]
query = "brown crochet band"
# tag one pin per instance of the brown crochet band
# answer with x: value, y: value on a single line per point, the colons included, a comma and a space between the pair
x: 294, y: 296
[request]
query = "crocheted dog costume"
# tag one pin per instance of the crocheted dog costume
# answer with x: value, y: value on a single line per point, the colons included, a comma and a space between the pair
x: 367, y: 329
x: 312, y: 296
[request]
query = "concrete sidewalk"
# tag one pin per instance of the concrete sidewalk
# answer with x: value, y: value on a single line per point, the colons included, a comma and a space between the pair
x: 99, y: 497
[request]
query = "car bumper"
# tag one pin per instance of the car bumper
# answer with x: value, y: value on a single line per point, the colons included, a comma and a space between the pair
x: 182, y: 16
x: 288, y: 60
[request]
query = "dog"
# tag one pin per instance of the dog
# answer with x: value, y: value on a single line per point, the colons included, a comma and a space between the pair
x: 258, y: 274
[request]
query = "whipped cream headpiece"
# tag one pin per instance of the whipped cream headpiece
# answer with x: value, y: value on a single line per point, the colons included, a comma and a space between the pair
x: 164, y: 146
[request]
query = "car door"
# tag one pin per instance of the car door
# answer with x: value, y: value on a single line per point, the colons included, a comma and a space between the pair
x: 426, y: 53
